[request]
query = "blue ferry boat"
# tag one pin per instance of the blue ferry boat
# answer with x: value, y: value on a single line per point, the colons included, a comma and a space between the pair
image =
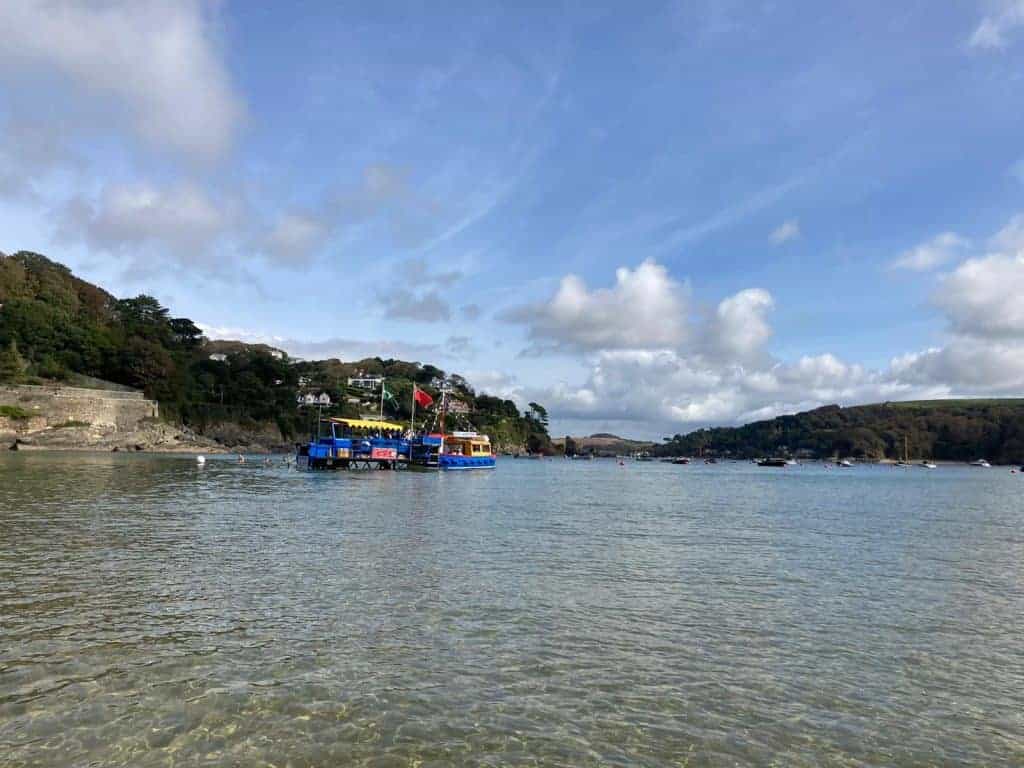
x: 345, y: 443
x: 453, y: 451
x: 351, y: 443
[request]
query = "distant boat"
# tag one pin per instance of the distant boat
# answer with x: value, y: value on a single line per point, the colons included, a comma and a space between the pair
x: 928, y: 465
x: 844, y: 463
x: 980, y: 463
x: 681, y: 460
x: 905, y: 461
x: 775, y: 462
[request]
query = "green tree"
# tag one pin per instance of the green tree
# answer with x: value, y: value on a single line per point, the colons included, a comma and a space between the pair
x: 12, y: 366
x: 539, y: 414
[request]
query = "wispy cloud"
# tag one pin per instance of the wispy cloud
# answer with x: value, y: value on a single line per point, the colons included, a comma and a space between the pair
x: 940, y: 250
x: 786, y: 231
x: 994, y: 29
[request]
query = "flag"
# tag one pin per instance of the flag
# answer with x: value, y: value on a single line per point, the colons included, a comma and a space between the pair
x: 388, y: 396
x: 421, y: 397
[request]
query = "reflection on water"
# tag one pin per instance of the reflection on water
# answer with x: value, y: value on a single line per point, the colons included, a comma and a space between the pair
x: 154, y: 612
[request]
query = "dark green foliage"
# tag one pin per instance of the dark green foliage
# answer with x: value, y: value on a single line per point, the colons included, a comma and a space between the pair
x: 12, y: 365
x: 951, y: 430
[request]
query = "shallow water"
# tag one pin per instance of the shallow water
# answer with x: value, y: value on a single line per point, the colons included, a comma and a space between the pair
x: 158, y: 613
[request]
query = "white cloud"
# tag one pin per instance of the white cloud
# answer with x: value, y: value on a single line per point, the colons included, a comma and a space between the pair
x: 156, y: 59
x: 1010, y: 238
x: 497, y: 384
x: 664, y: 391
x: 718, y: 370
x: 983, y: 297
x: 739, y: 329
x: 992, y: 30
x: 788, y: 230
x: 181, y: 222
x: 294, y: 238
x: 966, y: 365
x: 646, y: 308
x: 424, y: 307
x: 940, y: 250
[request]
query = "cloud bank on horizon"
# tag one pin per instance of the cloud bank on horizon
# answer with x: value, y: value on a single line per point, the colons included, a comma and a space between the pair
x: 648, y: 219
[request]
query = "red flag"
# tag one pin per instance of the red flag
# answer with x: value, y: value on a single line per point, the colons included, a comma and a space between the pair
x: 422, y: 398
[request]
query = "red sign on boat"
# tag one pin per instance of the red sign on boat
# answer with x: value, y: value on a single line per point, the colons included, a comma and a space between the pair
x: 384, y: 453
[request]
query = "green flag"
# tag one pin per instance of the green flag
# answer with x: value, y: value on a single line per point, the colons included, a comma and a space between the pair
x: 388, y: 396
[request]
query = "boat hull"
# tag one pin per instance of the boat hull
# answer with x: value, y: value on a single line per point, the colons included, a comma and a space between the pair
x: 450, y: 463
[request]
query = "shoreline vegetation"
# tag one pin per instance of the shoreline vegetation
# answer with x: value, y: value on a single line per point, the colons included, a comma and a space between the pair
x: 948, y: 431
x: 57, y: 330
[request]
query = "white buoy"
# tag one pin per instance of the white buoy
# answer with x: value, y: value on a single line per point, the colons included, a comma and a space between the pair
x: 200, y: 459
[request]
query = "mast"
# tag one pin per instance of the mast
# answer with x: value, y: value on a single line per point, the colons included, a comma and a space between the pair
x: 444, y: 405
x: 412, y: 417
x: 382, y: 399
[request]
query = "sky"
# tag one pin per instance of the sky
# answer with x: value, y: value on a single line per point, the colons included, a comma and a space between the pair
x: 649, y: 217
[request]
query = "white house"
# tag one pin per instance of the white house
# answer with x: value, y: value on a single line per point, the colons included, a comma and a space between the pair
x: 365, y: 382
x: 324, y: 399
x: 219, y: 357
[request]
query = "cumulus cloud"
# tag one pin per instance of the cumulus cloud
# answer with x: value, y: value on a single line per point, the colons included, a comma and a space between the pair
x: 740, y: 329
x: 786, y: 231
x: 993, y: 30
x: 982, y: 296
x: 716, y: 368
x: 156, y: 60
x: 497, y: 384
x: 658, y: 391
x: 941, y: 249
x: 645, y: 308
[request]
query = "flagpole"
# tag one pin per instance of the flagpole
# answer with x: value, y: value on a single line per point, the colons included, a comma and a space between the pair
x: 412, y: 419
x: 382, y: 399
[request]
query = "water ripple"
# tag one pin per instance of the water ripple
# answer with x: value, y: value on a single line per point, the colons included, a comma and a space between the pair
x: 156, y: 613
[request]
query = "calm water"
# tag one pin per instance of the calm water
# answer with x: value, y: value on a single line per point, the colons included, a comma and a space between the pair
x: 155, y: 613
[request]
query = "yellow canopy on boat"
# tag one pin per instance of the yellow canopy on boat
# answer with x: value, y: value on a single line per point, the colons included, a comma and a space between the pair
x: 367, y: 424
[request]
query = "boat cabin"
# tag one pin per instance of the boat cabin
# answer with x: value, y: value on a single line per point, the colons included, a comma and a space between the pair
x: 467, y: 444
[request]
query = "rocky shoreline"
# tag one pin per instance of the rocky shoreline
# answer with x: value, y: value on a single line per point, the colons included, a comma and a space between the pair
x: 152, y: 438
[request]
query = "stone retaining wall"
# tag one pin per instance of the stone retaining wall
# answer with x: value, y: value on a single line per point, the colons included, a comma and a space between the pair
x: 120, y: 411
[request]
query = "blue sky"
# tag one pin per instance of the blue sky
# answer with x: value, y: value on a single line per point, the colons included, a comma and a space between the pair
x: 649, y: 217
